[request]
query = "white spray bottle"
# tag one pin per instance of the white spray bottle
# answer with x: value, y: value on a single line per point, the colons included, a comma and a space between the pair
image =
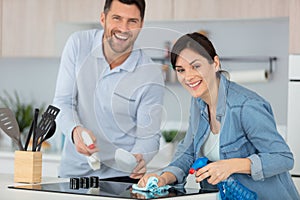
x: 93, y: 160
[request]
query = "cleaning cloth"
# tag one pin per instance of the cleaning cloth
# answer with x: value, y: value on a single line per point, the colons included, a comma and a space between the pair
x: 152, y: 187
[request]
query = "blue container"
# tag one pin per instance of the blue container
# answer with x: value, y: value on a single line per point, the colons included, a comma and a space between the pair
x: 230, y: 189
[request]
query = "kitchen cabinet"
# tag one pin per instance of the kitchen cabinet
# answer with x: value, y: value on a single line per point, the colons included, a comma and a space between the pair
x: 236, y: 9
x: 229, y: 9
x: 80, y: 11
x: 28, y: 26
x: 293, y: 136
x: 294, y: 44
x: 158, y: 10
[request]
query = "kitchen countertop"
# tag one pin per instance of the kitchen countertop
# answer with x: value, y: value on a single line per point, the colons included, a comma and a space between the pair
x: 7, y: 193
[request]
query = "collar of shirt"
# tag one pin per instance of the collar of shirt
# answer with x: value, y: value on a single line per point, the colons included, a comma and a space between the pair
x: 128, y: 65
x: 221, y: 107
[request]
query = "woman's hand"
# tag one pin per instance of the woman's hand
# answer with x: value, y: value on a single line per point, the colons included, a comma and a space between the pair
x: 218, y: 171
x: 164, y: 179
x: 81, y: 147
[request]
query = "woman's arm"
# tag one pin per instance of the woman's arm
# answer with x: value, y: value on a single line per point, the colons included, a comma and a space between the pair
x: 272, y: 155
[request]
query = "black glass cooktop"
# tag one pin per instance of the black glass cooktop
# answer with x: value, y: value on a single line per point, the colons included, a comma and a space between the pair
x: 109, y: 189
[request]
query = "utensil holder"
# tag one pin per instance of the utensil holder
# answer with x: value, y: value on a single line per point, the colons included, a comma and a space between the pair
x: 28, y: 167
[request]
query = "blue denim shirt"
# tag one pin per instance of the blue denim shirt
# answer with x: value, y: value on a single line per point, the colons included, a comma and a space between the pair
x: 248, y: 130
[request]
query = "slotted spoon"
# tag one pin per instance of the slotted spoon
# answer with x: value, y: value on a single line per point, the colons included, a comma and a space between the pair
x: 9, y: 125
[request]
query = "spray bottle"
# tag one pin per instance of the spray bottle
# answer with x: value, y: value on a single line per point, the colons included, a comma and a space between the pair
x: 93, y: 160
x: 230, y: 189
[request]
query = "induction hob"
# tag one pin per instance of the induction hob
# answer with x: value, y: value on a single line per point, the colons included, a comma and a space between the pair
x: 110, y: 189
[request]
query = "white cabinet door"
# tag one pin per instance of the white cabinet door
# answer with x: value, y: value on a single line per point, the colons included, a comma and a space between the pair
x: 294, y: 67
x: 293, y: 133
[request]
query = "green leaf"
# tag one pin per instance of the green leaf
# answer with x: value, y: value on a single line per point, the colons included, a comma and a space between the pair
x: 23, y: 111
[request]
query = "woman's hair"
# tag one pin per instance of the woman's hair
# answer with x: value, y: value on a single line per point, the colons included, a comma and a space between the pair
x: 196, y: 42
x: 139, y: 3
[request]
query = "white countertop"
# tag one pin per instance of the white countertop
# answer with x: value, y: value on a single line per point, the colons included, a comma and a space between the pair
x: 7, y: 193
x: 297, y: 183
x: 6, y: 179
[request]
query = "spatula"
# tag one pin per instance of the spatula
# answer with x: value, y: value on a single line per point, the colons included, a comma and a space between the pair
x: 48, y: 135
x: 9, y: 125
x: 44, y: 125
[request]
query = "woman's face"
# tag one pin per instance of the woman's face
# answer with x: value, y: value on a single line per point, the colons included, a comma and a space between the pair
x: 195, y: 73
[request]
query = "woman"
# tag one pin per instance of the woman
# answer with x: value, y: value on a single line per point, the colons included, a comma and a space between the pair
x: 230, y: 125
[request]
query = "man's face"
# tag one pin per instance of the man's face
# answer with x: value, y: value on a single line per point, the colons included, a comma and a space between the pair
x: 122, y: 24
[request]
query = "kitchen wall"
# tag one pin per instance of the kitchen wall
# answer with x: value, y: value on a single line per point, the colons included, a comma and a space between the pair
x: 34, y: 78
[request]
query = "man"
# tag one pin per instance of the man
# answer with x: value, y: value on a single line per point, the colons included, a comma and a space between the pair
x: 111, y: 90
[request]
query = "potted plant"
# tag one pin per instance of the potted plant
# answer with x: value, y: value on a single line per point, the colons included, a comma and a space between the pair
x: 22, y: 111
x: 169, y: 141
x: 171, y: 137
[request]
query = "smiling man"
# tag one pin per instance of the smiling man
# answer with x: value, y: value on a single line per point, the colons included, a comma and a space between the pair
x: 110, y: 89
x: 122, y: 24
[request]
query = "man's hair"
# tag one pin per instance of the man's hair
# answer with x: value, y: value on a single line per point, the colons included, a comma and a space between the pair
x: 139, y: 3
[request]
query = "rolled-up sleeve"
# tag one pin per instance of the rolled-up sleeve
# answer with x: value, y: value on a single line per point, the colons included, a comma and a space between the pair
x: 273, y: 155
x: 256, y: 168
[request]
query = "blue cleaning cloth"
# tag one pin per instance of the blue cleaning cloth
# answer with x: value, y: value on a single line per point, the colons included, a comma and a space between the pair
x: 152, y: 187
x: 151, y: 195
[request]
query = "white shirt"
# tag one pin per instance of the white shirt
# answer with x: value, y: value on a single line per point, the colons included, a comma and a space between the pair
x: 211, y: 147
x: 121, y: 106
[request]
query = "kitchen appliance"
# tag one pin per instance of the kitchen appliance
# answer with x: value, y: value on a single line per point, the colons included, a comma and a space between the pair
x: 107, y: 189
x: 293, y: 133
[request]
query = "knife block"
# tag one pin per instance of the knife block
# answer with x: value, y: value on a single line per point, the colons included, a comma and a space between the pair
x: 28, y: 167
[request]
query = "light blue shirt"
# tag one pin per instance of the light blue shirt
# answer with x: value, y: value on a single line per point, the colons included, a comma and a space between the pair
x: 121, y: 106
x: 248, y: 130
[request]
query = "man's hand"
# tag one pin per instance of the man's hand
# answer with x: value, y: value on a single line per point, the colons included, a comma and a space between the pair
x: 81, y: 147
x: 139, y: 171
